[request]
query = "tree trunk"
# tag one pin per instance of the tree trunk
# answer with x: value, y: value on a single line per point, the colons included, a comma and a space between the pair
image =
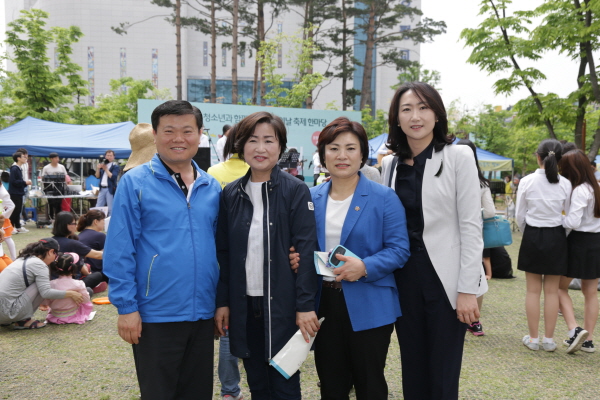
x: 213, y: 56
x: 344, y: 55
x: 310, y: 34
x: 261, y: 38
x: 365, y: 96
x: 579, y: 122
x: 589, y: 54
x: 178, y: 46
x: 234, y: 54
x: 534, y: 95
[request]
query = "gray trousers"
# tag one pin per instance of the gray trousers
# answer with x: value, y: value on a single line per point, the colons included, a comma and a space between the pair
x: 22, y: 307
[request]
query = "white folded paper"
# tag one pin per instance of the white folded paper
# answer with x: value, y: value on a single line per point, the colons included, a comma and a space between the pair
x: 321, y: 259
x: 292, y: 355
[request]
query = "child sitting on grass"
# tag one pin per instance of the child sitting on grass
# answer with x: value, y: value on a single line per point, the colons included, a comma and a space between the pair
x: 66, y: 311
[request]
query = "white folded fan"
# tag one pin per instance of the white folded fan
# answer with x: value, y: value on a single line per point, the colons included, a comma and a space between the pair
x: 292, y: 355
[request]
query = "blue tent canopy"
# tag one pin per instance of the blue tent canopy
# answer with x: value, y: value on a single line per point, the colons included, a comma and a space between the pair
x: 40, y: 138
x: 375, y: 144
x: 488, y: 161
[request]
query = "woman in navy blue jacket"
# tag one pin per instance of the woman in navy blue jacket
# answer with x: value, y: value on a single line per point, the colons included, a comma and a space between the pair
x: 361, y: 304
x: 259, y: 298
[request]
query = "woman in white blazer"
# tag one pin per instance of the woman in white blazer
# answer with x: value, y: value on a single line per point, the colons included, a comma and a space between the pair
x: 439, y: 187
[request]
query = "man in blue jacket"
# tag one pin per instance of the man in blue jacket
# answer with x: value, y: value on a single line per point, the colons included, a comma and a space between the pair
x: 163, y: 280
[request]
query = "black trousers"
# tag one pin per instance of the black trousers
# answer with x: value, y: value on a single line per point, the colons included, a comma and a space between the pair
x: 430, y: 335
x: 94, y: 279
x: 174, y: 360
x: 265, y: 382
x: 344, y: 358
x: 54, y: 207
x: 15, y: 217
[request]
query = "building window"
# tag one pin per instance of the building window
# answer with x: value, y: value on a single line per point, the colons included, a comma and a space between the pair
x: 404, y: 28
x: 155, y: 68
x: 224, y: 56
x: 406, y: 3
x: 91, y: 82
x: 405, y: 54
x: 280, y: 48
x: 243, y: 58
x: 205, y: 54
x: 199, y: 90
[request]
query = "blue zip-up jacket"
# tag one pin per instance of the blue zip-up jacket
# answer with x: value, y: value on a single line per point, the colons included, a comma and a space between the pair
x: 160, y: 253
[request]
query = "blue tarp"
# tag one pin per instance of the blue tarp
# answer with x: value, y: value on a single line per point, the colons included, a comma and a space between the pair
x: 488, y: 161
x: 375, y: 144
x: 40, y: 138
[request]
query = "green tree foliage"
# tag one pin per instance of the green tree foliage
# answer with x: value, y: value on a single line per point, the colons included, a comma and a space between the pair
x: 300, y: 57
x: 121, y: 104
x: 416, y: 73
x: 374, y: 125
x: 378, y: 19
x: 34, y: 89
x: 570, y: 27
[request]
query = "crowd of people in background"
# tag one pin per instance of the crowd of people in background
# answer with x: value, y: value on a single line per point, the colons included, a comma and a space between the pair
x: 241, y: 260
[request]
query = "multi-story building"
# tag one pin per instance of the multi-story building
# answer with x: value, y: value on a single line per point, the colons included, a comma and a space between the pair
x: 148, y: 50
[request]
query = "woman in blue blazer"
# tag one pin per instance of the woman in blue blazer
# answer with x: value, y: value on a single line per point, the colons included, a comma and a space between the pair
x: 361, y: 304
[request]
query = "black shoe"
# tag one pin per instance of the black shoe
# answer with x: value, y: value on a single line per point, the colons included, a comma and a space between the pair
x: 588, y: 346
x: 576, y: 341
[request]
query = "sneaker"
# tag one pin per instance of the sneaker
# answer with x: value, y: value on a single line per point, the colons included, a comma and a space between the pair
x: 576, y: 340
x: 529, y: 344
x: 22, y: 230
x: 588, y: 346
x: 549, y: 346
x: 230, y: 397
x: 476, y: 329
x: 101, y: 287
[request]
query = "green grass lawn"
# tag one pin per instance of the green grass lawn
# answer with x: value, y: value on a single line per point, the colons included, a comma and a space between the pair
x: 90, y: 361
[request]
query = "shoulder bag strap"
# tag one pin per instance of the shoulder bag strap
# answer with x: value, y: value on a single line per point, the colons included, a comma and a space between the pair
x: 392, y: 167
x: 25, y: 273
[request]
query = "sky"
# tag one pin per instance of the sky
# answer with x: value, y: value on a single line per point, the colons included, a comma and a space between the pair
x: 463, y: 81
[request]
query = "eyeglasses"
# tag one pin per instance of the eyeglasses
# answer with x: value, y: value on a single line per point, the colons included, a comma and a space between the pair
x: 72, y: 223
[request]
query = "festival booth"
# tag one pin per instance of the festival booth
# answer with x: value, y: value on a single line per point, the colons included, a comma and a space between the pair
x: 41, y: 138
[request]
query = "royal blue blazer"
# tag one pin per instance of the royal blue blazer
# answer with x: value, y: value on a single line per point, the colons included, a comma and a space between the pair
x: 374, y: 230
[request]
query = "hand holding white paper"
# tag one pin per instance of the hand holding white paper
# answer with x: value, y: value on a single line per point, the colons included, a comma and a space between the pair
x: 292, y: 355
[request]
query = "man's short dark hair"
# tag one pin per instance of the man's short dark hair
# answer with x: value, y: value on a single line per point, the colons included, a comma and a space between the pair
x: 175, y: 107
x: 23, y: 150
x: 52, y: 155
x: 17, y: 155
x: 226, y: 128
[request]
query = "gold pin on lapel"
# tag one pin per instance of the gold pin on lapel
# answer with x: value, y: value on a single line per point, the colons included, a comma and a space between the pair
x: 357, y: 208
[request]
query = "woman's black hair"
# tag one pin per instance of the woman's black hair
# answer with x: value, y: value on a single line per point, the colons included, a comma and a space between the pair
x: 550, y: 152
x: 5, y: 176
x: 65, y: 265
x: 36, y: 249
x: 61, y: 224
x: 397, y: 141
x: 88, y: 218
x: 229, y: 147
x: 483, y: 181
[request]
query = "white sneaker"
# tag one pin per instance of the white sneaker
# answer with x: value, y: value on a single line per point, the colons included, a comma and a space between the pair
x: 549, y: 346
x: 22, y: 230
x: 529, y: 344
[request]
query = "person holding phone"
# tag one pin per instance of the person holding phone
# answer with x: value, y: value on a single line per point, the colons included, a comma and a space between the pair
x: 364, y: 224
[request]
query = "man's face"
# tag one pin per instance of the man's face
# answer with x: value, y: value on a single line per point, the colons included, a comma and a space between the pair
x: 24, y: 158
x: 110, y: 156
x: 54, y: 160
x: 177, y: 138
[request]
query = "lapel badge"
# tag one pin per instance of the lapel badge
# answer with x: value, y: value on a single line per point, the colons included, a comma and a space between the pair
x: 357, y: 208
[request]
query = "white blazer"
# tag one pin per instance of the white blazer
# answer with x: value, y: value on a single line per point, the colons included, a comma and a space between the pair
x: 451, y: 201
